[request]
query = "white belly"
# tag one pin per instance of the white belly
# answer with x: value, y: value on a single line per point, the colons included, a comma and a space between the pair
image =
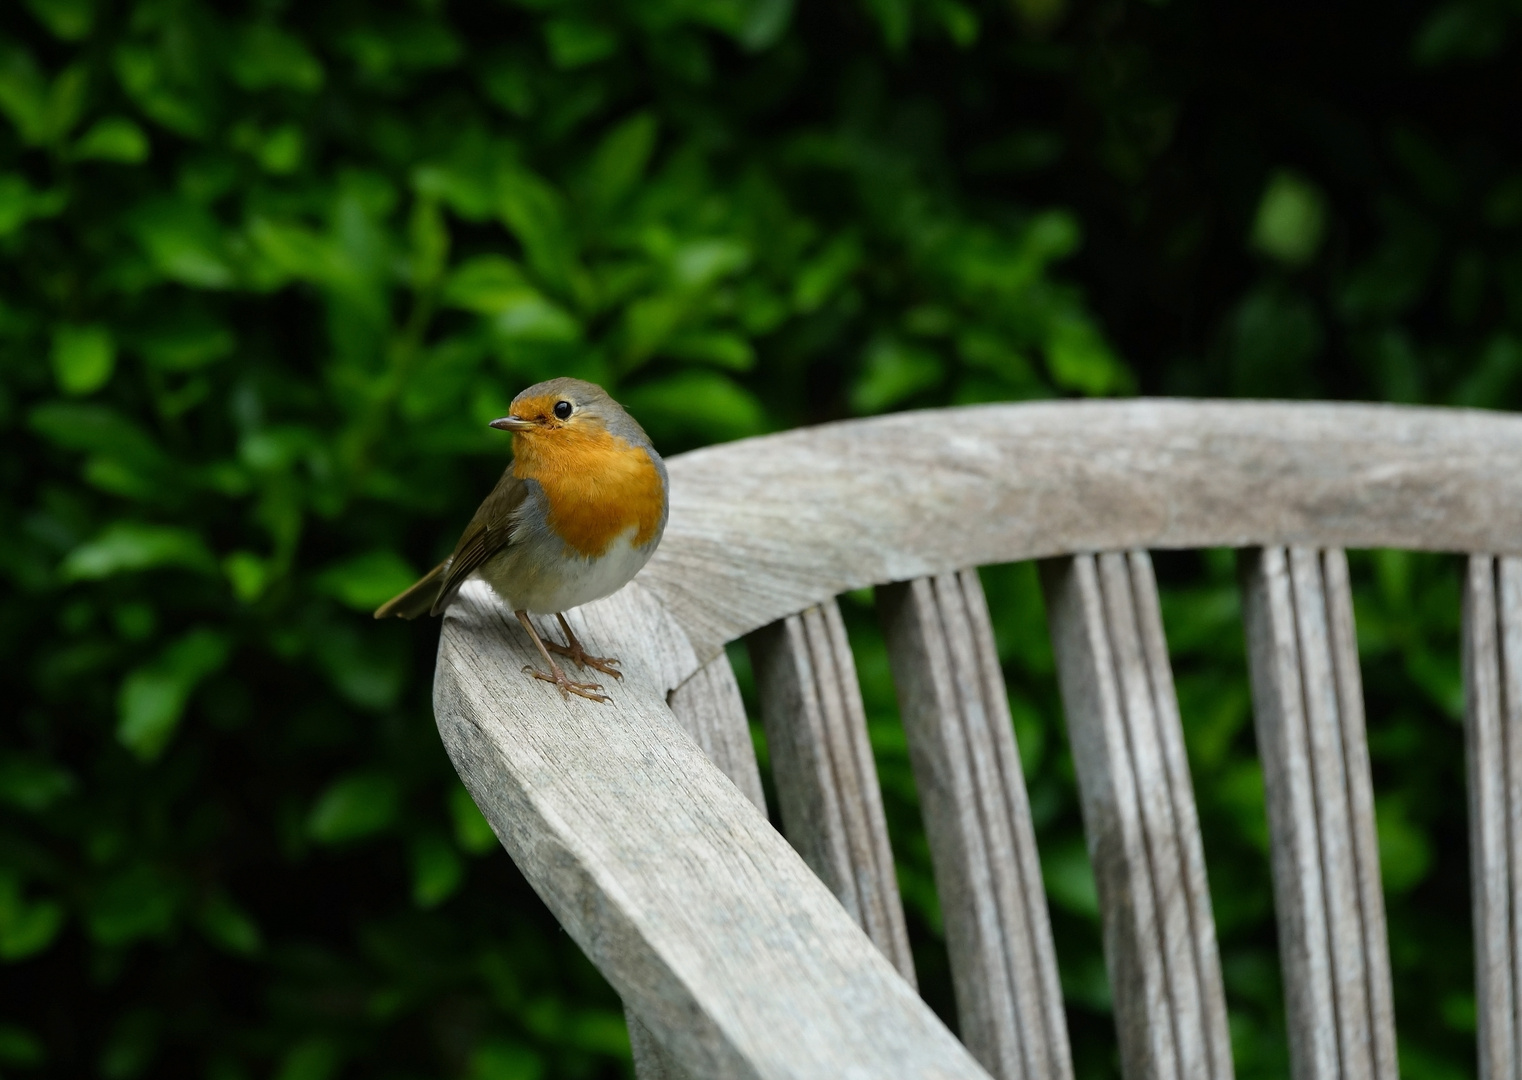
x: 555, y: 582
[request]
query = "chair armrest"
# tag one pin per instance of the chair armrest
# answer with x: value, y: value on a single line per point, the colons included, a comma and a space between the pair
x: 717, y: 936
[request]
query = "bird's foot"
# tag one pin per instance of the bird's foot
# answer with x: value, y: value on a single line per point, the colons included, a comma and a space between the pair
x: 568, y: 686
x: 608, y: 665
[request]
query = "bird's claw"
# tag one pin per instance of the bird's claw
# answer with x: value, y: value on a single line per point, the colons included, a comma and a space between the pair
x: 568, y: 686
x: 608, y: 665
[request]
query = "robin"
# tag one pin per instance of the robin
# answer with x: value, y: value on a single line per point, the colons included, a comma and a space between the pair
x: 576, y: 514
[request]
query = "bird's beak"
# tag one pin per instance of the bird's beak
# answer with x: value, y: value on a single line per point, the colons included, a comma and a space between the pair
x: 512, y: 423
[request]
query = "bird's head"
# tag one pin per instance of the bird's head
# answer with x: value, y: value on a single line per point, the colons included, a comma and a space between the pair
x: 568, y: 410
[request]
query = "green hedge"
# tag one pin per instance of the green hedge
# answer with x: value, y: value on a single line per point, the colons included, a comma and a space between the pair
x: 269, y: 267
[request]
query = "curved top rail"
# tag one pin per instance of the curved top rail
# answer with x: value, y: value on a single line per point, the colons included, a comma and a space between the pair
x: 765, y: 527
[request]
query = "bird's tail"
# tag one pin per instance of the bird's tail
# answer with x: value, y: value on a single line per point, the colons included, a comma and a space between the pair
x: 418, y: 599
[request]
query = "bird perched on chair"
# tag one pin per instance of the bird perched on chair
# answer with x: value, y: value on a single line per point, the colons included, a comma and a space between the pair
x: 577, y: 513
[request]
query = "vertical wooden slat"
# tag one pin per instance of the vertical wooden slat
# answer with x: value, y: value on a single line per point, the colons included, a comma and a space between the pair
x: 1274, y: 661
x: 1029, y: 907
x: 1355, y: 748
x: 1509, y: 618
x: 1139, y: 815
x: 1308, y: 705
x: 1334, y: 828
x: 1170, y: 731
x: 972, y: 794
x: 708, y: 705
x: 826, y: 780
x: 851, y: 750
x: 1493, y: 746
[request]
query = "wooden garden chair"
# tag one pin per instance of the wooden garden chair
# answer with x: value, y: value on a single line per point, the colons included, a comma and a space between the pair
x: 740, y: 953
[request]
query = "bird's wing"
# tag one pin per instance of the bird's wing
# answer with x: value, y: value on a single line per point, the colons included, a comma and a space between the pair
x: 489, y: 531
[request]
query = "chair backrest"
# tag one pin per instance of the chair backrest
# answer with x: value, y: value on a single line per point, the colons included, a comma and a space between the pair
x: 765, y: 534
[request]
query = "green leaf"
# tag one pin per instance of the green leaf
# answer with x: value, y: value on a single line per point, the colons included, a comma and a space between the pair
x: 25, y: 928
x: 124, y: 459
x: 430, y: 242
x: 278, y: 150
x: 713, y: 347
x: 67, y: 19
x: 83, y: 358
x: 310, y: 1059
x: 42, y: 114
x: 1069, y: 878
x: 486, y: 284
x: 690, y: 403
x: 167, y: 86
x: 364, y: 582
x: 114, y: 138
x: 183, y: 241
x: 248, y: 574
x: 153, y: 698
x: 130, y: 1048
x: 1459, y: 31
x: 265, y: 57
x: 128, y: 546
x: 493, y: 285
x: 1079, y: 358
x: 499, y: 1060
x: 650, y: 321
x: 471, y: 829
x: 465, y: 178
x: 23, y: 94
x: 894, y: 372
x: 697, y: 264
x: 823, y: 275
x: 437, y: 871
x: 763, y: 24
x: 365, y: 663
x: 576, y: 42
x: 31, y: 783
x: 135, y: 903
x: 1290, y: 220
x: 188, y: 341
x: 1405, y: 852
x: 21, y: 203
x: 892, y: 18
x: 620, y: 160
x: 354, y: 807
x: 20, y: 1047
x: 536, y: 214
x: 229, y: 926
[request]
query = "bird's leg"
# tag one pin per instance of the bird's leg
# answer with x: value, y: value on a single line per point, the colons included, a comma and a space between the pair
x: 608, y: 665
x: 557, y: 676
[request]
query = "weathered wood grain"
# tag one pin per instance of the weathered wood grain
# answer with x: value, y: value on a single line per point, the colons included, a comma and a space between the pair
x: 972, y: 793
x: 1309, y: 714
x: 1191, y: 871
x: 1139, y: 816
x: 766, y: 527
x: 1493, y: 744
x: 1338, y: 592
x: 651, y: 1060
x: 717, y: 933
x: 717, y: 936
x: 709, y: 707
x: 827, y: 789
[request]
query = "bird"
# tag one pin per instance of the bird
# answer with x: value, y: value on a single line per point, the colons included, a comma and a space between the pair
x: 577, y: 513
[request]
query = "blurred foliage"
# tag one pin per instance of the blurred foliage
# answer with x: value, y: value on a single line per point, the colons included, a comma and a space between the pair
x: 268, y: 269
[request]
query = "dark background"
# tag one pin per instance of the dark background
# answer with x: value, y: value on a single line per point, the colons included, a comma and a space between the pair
x: 267, y: 268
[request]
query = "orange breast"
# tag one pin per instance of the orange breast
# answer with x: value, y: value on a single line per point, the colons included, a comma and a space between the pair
x: 598, y: 487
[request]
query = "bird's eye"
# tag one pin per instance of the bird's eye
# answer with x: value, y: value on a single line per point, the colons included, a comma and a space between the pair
x: 562, y: 410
